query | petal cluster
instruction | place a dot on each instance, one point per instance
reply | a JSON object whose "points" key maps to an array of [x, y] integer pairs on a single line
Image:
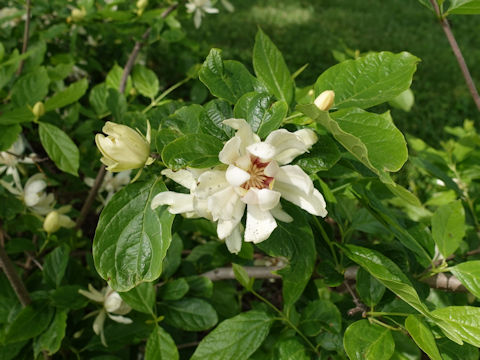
{"points": [[254, 177], [199, 8]]}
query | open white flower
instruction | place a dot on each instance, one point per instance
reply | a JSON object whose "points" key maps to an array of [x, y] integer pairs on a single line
{"points": [[199, 8], [256, 178], [12, 158], [112, 304], [111, 184]]}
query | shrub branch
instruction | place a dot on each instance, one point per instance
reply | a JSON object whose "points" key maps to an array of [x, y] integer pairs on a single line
{"points": [[25, 36]]}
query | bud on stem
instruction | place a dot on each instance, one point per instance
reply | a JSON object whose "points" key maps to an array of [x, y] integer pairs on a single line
{"points": [[324, 101]]}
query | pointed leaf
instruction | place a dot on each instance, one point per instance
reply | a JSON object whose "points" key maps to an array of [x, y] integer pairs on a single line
{"points": [[365, 341], [448, 227], [422, 335], [469, 275], [67, 96], [160, 346]]}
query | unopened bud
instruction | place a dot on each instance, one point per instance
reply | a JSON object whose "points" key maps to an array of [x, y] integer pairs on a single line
{"points": [[324, 101], [38, 109], [54, 221], [78, 14], [142, 4], [133, 91]]}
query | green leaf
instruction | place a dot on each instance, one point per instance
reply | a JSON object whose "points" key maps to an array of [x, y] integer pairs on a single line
{"points": [[261, 112], [199, 286], [174, 290], [464, 320], [270, 67], [404, 101], [293, 241], [98, 98], [117, 104], [453, 351], [448, 227], [31, 88], [173, 259], [131, 239], [114, 78], [19, 115], [372, 138], [291, 349], [145, 81], [369, 80], [31, 321], [321, 157], [60, 148], [55, 265], [227, 80], [67, 96], [469, 275], [370, 289], [465, 7], [318, 316], [51, 340], [190, 314], [141, 297], [236, 338], [8, 135], [365, 341], [186, 119], [211, 119], [422, 335], [388, 273], [160, 346], [195, 150], [242, 276]]}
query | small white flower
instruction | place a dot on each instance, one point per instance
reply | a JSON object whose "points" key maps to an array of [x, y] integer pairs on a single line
{"points": [[199, 8], [12, 158], [112, 304], [111, 184], [256, 177], [35, 197]]}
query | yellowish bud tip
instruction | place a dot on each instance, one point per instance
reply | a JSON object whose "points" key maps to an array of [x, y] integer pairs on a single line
{"points": [[78, 14], [324, 101], [142, 4], [38, 109], [51, 223], [133, 91]]}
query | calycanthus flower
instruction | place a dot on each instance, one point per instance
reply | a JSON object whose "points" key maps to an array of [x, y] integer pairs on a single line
{"points": [[255, 177], [199, 8]]}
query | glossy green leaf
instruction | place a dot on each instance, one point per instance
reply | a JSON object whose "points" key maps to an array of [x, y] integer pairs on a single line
{"points": [[172, 260], [448, 227], [422, 335], [372, 138], [160, 346], [370, 289], [114, 78], [465, 7], [370, 80], [55, 265], [452, 351], [60, 148], [195, 150], [145, 81], [31, 88], [405, 347], [365, 341], [116, 104], [190, 314], [98, 98], [291, 349], [404, 101], [199, 286], [174, 290], [464, 320], [261, 112], [51, 340], [8, 135], [227, 80], [127, 253], [469, 275], [17, 116], [293, 241], [236, 338], [241, 276], [319, 316], [141, 297], [323, 155], [388, 273], [67, 96], [270, 67], [31, 321], [186, 119], [211, 119]]}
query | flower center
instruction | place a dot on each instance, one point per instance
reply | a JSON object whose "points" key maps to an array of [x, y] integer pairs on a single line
{"points": [[258, 179]]}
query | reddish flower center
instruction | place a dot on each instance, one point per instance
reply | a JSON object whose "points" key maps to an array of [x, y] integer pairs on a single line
{"points": [[258, 179]]}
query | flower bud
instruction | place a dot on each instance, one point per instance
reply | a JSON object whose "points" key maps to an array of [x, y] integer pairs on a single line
{"points": [[324, 101], [123, 148], [55, 220], [38, 109], [142, 4], [78, 14], [115, 304]]}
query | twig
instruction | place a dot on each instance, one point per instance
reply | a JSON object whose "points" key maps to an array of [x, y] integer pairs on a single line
{"points": [[359, 306], [257, 272], [12, 276], [187, 345], [123, 82], [458, 54], [25, 36]]}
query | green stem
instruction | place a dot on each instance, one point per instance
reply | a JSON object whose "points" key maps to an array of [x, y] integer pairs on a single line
{"points": [[327, 240], [381, 313], [165, 93], [384, 325], [287, 320]]}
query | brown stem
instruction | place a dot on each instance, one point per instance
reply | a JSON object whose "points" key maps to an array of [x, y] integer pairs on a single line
{"points": [[458, 54], [12, 276], [25, 36], [91, 196]]}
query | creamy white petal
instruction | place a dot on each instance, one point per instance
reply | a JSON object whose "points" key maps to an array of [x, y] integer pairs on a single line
{"points": [[225, 228], [294, 176], [307, 136], [120, 319], [281, 215], [222, 203], [244, 132], [98, 322], [260, 224], [179, 203], [271, 169], [182, 177], [236, 176], [230, 151], [92, 296], [234, 240], [266, 199], [210, 10], [211, 182], [312, 202], [262, 150], [287, 145]]}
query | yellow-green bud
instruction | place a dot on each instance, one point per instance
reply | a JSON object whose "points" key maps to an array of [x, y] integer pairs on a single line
{"points": [[133, 91], [142, 4], [55, 220], [78, 14], [324, 101], [38, 109], [123, 148]]}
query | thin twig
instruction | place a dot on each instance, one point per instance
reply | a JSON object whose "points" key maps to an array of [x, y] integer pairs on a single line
{"points": [[458, 54], [123, 82], [187, 345], [257, 272], [25, 36], [12, 276]]}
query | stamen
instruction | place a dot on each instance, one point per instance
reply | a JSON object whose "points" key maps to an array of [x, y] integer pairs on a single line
{"points": [[257, 177]]}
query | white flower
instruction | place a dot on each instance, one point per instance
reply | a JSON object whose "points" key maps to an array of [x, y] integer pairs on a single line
{"points": [[256, 177], [111, 184], [10, 160], [35, 197], [112, 304], [123, 148], [199, 8]]}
